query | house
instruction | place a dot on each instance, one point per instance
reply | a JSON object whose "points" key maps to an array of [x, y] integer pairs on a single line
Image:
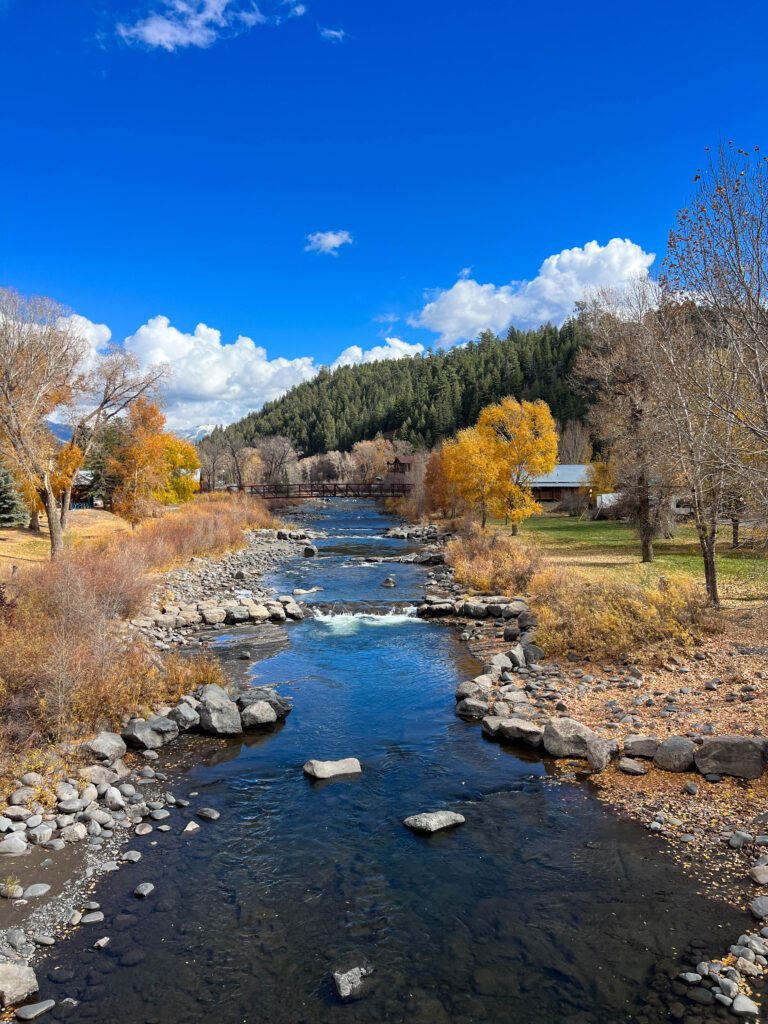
{"points": [[400, 465], [564, 480]]}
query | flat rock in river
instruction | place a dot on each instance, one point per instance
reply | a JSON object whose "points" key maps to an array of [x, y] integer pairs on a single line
{"points": [[17, 983], [332, 769], [433, 821]]}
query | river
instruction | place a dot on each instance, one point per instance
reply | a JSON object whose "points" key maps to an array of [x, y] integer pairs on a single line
{"points": [[541, 908]]}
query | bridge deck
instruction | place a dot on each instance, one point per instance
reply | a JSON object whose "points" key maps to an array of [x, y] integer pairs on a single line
{"points": [[364, 489]]}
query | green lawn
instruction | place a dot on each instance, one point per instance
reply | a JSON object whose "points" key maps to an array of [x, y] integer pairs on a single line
{"points": [[606, 546]]}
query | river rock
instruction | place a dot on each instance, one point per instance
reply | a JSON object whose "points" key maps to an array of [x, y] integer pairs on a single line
{"points": [[474, 610], [185, 716], [636, 745], [259, 712], [219, 716], [143, 890], [13, 845], [35, 891], [282, 706], [34, 1010], [166, 727], [598, 753], [332, 769], [500, 663], [469, 688], [17, 983], [533, 653], [759, 874], [471, 707], [759, 907], [139, 733], [675, 754], [74, 833], [213, 616], [565, 737], [433, 821], [741, 756], [521, 729], [106, 746], [744, 1007], [349, 976], [631, 767], [491, 725], [309, 551], [42, 833]]}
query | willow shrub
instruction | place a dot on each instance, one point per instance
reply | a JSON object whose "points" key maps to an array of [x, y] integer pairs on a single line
{"points": [[595, 618], [68, 662]]}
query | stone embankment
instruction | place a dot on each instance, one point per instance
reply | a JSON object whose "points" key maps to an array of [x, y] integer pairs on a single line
{"points": [[210, 594]]}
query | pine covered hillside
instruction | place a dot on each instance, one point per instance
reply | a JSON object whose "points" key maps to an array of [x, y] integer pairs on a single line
{"points": [[424, 399]]}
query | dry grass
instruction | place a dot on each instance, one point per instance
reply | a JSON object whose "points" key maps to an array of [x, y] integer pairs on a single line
{"points": [[599, 617], [68, 664], [20, 547]]}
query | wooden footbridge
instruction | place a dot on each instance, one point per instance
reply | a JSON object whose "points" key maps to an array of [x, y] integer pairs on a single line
{"points": [[322, 489]]}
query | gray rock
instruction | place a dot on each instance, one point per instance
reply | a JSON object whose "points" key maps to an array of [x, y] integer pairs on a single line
{"points": [[744, 1007], [114, 799], [40, 834], [565, 737], [260, 712], [433, 821], [491, 725], [139, 733], [35, 891], [17, 983], [143, 890], [741, 756], [13, 845], [631, 767], [94, 917], [332, 769], [165, 726], [185, 716], [675, 754], [219, 716], [309, 551], [469, 688], [474, 610], [74, 833], [208, 814], [22, 796], [34, 1010], [640, 746], [350, 976], [282, 705], [517, 729], [106, 746], [598, 754], [471, 707], [759, 907]]}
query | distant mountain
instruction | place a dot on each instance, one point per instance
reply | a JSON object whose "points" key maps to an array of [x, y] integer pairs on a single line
{"points": [[61, 431], [423, 399], [195, 434]]}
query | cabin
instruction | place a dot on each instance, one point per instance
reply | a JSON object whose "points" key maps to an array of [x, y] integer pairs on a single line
{"points": [[399, 466], [564, 480]]}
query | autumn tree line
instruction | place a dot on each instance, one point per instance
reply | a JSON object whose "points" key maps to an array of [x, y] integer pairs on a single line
{"points": [[109, 408]]}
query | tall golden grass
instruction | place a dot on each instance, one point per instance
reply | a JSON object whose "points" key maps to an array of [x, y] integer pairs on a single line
{"points": [[68, 661], [598, 619]]}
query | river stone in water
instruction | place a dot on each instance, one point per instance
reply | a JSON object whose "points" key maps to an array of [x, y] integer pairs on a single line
{"points": [[521, 729], [219, 715], [471, 707], [675, 754], [17, 983], [260, 712], [34, 1010], [741, 756], [433, 821], [744, 1007], [332, 769]]}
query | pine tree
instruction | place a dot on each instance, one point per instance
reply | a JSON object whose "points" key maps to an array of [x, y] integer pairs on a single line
{"points": [[13, 511]]}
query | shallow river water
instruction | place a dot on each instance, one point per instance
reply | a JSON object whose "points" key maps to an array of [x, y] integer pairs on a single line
{"points": [[541, 908]]}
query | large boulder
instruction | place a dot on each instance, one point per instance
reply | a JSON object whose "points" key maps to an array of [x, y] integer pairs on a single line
{"points": [[332, 769], [675, 754], [107, 746], [17, 983], [565, 737], [640, 746], [219, 716], [13, 845], [282, 706], [598, 753], [139, 733], [520, 729], [259, 712], [533, 653], [469, 688], [167, 727], [213, 616], [474, 610], [237, 614], [471, 707], [741, 756], [185, 716]]}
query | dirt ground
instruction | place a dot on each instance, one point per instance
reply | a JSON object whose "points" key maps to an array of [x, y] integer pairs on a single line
{"points": [[20, 547]]}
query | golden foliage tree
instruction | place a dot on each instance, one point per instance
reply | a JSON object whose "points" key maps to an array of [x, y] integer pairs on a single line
{"points": [[469, 467], [139, 464], [522, 443], [182, 463]]}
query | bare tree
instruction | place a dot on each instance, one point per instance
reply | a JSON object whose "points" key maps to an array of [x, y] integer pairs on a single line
{"points": [[279, 456], [41, 353], [236, 449], [212, 451], [575, 445]]}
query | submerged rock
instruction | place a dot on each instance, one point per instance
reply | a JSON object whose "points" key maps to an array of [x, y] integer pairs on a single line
{"points": [[17, 983], [349, 976]]}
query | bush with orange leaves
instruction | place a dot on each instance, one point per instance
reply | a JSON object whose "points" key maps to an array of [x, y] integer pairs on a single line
{"points": [[68, 662], [580, 614]]}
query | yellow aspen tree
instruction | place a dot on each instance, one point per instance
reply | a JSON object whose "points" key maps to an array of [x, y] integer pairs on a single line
{"points": [[470, 466], [522, 441]]}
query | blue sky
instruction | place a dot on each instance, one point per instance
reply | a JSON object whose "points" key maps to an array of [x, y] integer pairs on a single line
{"points": [[165, 164]]}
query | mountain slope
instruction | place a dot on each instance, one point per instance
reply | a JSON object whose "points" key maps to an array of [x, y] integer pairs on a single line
{"points": [[424, 399]]}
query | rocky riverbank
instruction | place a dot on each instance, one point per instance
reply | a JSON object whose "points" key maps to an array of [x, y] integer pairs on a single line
{"points": [[676, 744], [55, 841]]}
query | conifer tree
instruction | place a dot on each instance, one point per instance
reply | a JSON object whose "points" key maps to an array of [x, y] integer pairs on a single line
{"points": [[13, 511]]}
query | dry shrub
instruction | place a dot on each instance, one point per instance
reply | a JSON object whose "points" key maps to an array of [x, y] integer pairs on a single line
{"points": [[68, 664], [594, 618], [493, 563]]}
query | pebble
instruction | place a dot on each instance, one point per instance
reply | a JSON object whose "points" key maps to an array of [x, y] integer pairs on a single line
{"points": [[102, 943]]}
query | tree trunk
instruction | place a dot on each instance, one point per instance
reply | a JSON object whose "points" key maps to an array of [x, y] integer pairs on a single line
{"points": [[66, 501], [513, 529], [54, 522], [485, 517], [644, 522], [706, 527], [34, 522], [735, 523]]}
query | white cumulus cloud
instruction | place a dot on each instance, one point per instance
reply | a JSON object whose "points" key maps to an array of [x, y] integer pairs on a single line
{"points": [[332, 35], [327, 241], [393, 348], [176, 24], [212, 381], [468, 307]]}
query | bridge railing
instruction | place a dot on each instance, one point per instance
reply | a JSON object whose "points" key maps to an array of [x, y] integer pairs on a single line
{"points": [[322, 489]]}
